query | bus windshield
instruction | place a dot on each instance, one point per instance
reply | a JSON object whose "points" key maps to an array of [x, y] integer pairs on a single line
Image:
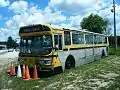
{"points": [[36, 45]]}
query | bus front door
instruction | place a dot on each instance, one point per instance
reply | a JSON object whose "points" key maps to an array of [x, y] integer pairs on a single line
{"points": [[58, 41]]}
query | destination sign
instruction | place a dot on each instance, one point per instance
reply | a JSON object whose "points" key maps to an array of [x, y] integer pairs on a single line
{"points": [[34, 28]]}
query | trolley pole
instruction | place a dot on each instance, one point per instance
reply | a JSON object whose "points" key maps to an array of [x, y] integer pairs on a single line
{"points": [[114, 25]]}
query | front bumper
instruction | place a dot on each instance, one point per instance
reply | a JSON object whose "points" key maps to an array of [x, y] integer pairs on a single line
{"points": [[45, 73]]}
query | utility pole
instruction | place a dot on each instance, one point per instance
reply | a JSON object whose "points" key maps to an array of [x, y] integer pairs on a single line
{"points": [[114, 25]]}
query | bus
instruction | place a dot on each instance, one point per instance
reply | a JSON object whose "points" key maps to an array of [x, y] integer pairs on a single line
{"points": [[53, 50]]}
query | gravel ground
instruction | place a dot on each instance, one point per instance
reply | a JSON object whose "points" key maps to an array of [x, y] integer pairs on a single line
{"points": [[8, 58]]}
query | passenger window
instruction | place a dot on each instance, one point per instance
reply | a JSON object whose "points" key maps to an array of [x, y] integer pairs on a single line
{"points": [[95, 39], [98, 39], [67, 38], [77, 38], [104, 40], [89, 38]]}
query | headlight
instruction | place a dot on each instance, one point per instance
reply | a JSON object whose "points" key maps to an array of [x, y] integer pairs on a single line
{"points": [[45, 62]]}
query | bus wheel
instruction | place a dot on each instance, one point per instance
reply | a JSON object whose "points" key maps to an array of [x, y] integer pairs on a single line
{"points": [[103, 53], [70, 62]]}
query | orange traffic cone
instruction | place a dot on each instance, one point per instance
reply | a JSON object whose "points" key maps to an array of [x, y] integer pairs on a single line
{"points": [[27, 74], [12, 70], [35, 75], [23, 73]]}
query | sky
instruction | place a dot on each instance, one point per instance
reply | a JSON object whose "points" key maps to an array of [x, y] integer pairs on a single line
{"points": [[59, 13]]}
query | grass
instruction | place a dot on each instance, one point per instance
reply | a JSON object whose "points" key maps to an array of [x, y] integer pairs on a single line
{"points": [[103, 74], [112, 51]]}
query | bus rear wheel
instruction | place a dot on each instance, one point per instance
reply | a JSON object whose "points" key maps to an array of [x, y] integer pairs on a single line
{"points": [[70, 62]]}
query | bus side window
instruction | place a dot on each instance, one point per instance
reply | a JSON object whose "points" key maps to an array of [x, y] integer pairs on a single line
{"points": [[86, 39], [95, 39], [100, 39], [89, 38], [81, 38], [67, 38], [77, 38], [104, 40]]}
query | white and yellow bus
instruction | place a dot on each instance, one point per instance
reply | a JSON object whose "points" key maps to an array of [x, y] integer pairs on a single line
{"points": [[54, 50]]}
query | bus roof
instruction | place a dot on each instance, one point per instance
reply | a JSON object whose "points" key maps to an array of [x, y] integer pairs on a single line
{"points": [[79, 30], [34, 28], [48, 27]]}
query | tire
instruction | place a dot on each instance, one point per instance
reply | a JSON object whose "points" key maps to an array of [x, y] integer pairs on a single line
{"points": [[70, 62], [103, 53]]}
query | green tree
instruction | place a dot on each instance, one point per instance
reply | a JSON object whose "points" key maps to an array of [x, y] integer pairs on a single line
{"points": [[95, 23], [11, 43]]}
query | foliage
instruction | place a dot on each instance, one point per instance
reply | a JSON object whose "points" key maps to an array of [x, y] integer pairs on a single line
{"points": [[113, 51], [11, 43], [112, 41], [95, 23]]}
